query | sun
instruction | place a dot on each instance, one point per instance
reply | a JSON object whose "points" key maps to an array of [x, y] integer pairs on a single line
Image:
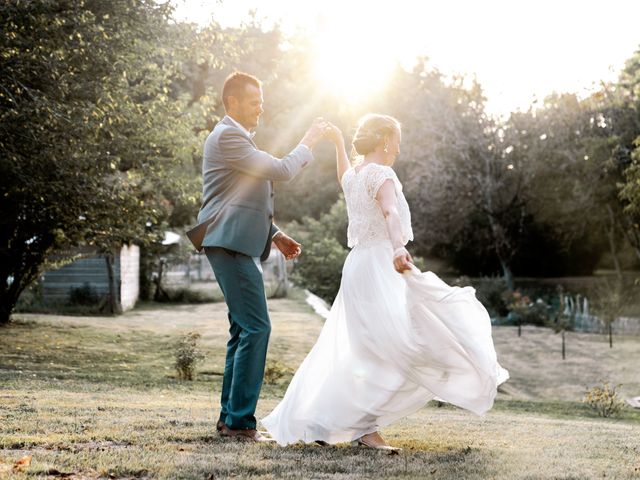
{"points": [[351, 64]]}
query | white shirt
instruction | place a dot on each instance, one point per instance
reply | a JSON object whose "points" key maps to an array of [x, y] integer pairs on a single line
{"points": [[241, 127]]}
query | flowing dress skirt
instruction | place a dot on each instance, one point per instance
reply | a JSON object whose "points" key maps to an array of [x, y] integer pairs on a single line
{"points": [[390, 344]]}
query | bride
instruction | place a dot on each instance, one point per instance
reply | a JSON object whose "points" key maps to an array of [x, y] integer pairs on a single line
{"points": [[395, 338]]}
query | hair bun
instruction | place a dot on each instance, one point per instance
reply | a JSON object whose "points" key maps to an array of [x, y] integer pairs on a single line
{"points": [[365, 142], [372, 128]]}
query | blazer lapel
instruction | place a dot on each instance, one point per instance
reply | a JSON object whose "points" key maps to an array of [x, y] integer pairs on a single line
{"points": [[226, 120]]}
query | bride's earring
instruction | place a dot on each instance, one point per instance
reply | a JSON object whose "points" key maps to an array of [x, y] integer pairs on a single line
{"points": [[386, 148]]}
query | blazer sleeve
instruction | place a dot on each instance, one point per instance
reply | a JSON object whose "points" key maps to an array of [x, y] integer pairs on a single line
{"points": [[240, 154]]}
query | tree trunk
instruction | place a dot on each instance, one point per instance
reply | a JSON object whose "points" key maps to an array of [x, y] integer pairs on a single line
{"points": [[12, 289], [112, 297], [508, 275], [612, 241], [563, 346], [160, 293], [5, 311], [611, 334]]}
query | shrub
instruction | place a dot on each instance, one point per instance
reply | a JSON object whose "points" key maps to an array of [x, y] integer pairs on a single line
{"points": [[276, 371], [84, 295], [538, 313], [490, 291], [604, 399], [187, 356], [526, 311], [186, 295], [319, 268]]}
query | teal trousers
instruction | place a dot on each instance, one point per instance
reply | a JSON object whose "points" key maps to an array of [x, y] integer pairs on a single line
{"points": [[249, 328]]}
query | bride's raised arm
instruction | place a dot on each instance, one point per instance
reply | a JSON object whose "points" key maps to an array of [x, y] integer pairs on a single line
{"points": [[334, 134]]}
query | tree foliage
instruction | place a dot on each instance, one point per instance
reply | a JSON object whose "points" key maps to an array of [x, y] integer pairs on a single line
{"points": [[104, 108], [93, 145]]}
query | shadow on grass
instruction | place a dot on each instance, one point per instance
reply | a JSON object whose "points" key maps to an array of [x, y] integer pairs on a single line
{"points": [[236, 459]]}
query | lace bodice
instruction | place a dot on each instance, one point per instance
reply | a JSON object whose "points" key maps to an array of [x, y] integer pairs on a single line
{"points": [[366, 222]]}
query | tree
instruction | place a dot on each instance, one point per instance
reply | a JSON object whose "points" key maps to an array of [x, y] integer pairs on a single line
{"points": [[91, 141], [455, 174], [563, 183], [610, 299], [627, 149]]}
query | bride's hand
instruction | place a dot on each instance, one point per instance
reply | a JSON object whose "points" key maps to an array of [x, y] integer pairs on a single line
{"points": [[333, 133], [402, 260]]}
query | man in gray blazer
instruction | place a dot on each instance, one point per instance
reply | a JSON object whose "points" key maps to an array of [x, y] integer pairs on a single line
{"points": [[236, 230]]}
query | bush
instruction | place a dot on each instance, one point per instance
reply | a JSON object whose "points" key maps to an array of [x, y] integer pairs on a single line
{"points": [[187, 356], [276, 371], [604, 399], [84, 295], [188, 295], [538, 313], [489, 291], [525, 311], [319, 268]]}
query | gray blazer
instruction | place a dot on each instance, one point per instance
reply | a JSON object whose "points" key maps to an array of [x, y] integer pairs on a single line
{"points": [[237, 200]]}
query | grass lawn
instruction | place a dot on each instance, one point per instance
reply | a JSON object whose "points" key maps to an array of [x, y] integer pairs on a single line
{"points": [[96, 397]]}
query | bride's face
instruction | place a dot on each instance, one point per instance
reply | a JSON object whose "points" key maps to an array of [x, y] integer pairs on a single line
{"points": [[393, 148]]}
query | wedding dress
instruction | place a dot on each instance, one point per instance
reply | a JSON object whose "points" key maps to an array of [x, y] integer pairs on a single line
{"points": [[392, 342]]}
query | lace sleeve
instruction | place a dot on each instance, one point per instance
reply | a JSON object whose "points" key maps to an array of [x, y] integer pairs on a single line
{"points": [[377, 176]]}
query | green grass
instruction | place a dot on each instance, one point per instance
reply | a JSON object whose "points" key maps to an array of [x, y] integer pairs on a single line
{"points": [[97, 397]]}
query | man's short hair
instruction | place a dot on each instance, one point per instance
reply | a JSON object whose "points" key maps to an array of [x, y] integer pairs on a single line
{"points": [[235, 86]]}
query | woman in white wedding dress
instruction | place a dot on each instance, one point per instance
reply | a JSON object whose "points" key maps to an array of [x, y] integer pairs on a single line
{"points": [[395, 338]]}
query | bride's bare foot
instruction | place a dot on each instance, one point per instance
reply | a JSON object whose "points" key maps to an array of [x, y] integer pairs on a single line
{"points": [[375, 440]]}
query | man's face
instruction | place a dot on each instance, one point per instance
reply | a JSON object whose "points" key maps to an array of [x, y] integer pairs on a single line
{"points": [[249, 107]]}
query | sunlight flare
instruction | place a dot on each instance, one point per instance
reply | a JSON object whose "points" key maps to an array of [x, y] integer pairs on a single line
{"points": [[350, 63]]}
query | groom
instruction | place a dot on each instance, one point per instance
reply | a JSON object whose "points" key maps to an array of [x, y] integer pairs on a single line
{"points": [[236, 231]]}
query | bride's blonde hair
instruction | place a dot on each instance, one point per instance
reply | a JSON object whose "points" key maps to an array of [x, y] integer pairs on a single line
{"points": [[371, 130]]}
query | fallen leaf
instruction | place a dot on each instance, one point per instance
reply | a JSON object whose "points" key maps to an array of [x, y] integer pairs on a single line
{"points": [[23, 463]]}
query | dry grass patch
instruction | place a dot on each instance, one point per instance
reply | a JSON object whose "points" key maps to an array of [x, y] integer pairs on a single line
{"points": [[97, 398]]}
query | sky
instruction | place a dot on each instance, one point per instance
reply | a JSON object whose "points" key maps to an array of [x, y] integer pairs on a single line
{"points": [[518, 50]]}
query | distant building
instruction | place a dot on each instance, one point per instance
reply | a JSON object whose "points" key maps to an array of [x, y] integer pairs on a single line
{"points": [[87, 279]]}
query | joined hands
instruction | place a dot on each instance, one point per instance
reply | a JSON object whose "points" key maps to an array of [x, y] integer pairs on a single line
{"points": [[319, 129]]}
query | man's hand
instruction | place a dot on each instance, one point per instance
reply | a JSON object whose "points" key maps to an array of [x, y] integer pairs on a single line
{"points": [[402, 260], [316, 131], [287, 245]]}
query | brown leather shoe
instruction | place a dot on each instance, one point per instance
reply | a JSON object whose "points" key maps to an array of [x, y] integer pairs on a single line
{"points": [[250, 435], [219, 425]]}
